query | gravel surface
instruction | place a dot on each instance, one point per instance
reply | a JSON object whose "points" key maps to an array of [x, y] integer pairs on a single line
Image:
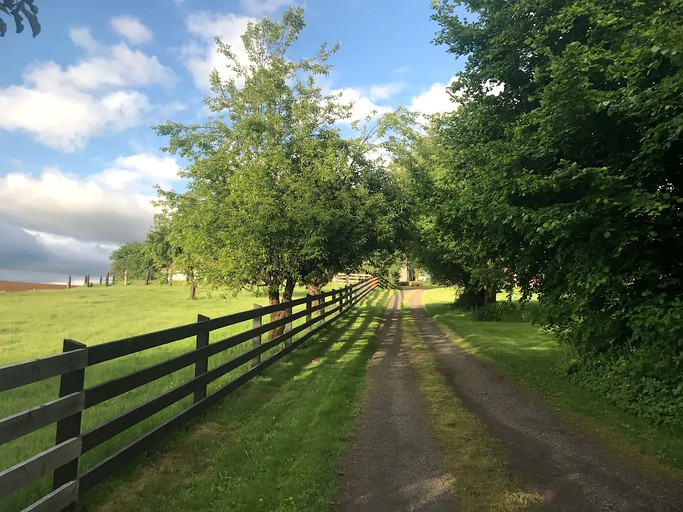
{"points": [[394, 463], [570, 469]]}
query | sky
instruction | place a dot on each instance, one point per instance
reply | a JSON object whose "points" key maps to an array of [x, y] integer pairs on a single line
{"points": [[79, 159]]}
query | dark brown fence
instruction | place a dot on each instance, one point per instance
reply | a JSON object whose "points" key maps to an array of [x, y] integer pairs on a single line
{"points": [[62, 460]]}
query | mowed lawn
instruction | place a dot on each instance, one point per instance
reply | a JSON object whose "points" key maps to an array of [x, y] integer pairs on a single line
{"points": [[33, 324], [535, 359]]}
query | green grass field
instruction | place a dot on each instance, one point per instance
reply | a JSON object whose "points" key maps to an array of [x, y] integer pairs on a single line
{"points": [[273, 445], [33, 324], [534, 358]]}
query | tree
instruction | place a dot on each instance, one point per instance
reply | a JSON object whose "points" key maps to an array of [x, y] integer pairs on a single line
{"points": [[158, 249], [572, 174], [20, 11], [275, 194], [131, 258]]}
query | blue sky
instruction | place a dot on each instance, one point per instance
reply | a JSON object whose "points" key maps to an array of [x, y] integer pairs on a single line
{"points": [[78, 157]]}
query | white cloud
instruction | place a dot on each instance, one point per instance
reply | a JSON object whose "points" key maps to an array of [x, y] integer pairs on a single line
{"points": [[262, 7], [137, 171], [67, 119], [111, 206], [363, 106], [200, 56], [64, 107], [56, 224], [434, 100], [82, 37], [112, 66], [385, 91], [132, 29]]}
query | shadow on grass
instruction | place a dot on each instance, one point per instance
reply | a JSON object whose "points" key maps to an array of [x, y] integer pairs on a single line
{"points": [[277, 436]]}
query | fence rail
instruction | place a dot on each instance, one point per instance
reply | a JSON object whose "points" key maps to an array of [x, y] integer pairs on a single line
{"points": [[71, 441]]}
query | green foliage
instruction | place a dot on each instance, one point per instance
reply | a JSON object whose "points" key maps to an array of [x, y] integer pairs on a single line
{"points": [[158, 248], [132, 258], [20, 11], [487, 313], [571, 175], [635, 382], [275, 193]]}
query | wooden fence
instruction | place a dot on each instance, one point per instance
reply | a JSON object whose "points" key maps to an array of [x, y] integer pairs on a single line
{"points": [[62, 460], [350, 278]]}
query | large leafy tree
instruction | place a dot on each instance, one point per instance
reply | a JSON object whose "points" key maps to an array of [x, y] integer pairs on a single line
{"points": [[572, 174], [275, 193]]}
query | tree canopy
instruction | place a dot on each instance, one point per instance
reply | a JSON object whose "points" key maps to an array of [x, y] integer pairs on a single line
{"points": [[132, 258], [275, 193], [563, 165]]}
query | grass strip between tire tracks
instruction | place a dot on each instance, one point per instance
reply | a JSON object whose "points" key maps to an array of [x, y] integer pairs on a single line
{"points": [[481, 481]]}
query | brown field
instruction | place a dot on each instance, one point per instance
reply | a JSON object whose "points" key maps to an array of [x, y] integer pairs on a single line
{"points": [[12, 286]]}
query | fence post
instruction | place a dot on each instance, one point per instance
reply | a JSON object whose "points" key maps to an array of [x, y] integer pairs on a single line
{"points": [[125, 278], [68, 284], [70, 426], [256, 340], [309, 304], [202, 365], [288, 326], [322, 309]]}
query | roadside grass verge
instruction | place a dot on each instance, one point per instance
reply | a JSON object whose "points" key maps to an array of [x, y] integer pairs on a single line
{"points": [[274, 444], [535, 359], [34, 323], [472, 456]]}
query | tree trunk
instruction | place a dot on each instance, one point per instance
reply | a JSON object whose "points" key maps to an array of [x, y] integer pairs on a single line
{"points": [[193, 289], [274, 298], [314, 286], [287, 294], [289, 289], [489, 295]]}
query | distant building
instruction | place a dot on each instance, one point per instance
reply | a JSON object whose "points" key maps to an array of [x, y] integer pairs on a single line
{"points": [[407, 273]]}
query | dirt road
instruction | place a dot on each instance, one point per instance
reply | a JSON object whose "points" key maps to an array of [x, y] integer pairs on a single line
{"points": [[394, 464], [568, 468]]}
